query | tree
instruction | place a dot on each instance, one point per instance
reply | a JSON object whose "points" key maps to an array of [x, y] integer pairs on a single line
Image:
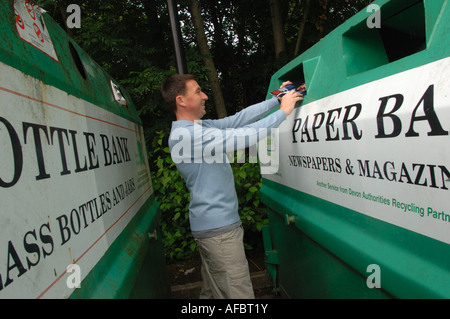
{"points": [[277, 25], [207, 58], [302, 27]]}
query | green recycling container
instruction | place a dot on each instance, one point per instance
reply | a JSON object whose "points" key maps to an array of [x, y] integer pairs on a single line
{"points": [[78, 216], [358, 178]]}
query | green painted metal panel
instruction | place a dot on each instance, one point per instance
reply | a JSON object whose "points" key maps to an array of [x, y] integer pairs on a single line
{"points": [[326, 255], [132, 267], [64, 73], [333, 69]]}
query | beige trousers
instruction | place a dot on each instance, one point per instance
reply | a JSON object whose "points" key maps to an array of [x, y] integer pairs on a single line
{"points": [[225, 271]]}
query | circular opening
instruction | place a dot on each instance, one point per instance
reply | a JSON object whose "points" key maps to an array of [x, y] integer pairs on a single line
{"points": [[77, 60]]}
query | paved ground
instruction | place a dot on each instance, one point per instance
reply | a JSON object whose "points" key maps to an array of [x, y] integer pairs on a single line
{"points": [[186, 281], [260, 280]]}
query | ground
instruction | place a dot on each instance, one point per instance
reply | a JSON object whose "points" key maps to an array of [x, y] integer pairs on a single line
{"points": [[188, 270], [185, 276]]}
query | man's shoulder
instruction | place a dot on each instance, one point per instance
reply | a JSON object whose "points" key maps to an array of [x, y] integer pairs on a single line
{"points": [[181, 130], [182, 124]]}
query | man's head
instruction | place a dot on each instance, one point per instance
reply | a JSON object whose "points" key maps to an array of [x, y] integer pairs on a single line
{"points": [[184, 96]]}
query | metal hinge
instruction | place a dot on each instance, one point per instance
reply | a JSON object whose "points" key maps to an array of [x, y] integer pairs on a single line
{"points": [[271, 256]]}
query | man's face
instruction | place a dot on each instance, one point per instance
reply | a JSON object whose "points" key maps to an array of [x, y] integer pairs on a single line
{"points": [[195, 99]]}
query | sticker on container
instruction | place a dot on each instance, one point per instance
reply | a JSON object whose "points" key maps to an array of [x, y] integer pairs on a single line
{"points": [[31, 27]]}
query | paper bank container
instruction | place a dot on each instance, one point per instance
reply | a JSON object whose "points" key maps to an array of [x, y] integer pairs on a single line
{"points": [[358, 179]]}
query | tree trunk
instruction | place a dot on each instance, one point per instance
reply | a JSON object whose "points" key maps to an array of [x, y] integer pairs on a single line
{"points": [[302, 28], [277, 26], [63, 12], [207, 59]]}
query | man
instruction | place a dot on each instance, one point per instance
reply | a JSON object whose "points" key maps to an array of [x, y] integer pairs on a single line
{"points": [[198, 149]]}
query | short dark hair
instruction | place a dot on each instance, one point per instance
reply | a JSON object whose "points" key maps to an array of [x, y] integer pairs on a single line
{"points": [[174, 85]]}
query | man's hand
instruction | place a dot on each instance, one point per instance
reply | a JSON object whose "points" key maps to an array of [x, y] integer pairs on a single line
{"points": [[285, 84], [288, 101]]}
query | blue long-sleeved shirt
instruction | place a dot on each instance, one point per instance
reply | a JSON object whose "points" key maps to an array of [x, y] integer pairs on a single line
{"points": [[199, 152]]}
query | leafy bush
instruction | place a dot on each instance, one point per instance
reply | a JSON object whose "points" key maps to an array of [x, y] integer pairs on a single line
{"points": [[173, 197]]}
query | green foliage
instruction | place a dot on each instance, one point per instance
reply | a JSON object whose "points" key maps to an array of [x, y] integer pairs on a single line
{"points": [[173, 197], [253, 213], [247, 179]]}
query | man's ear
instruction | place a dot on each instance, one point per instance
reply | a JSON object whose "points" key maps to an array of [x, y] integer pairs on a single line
{"points": [[180, 101]]}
